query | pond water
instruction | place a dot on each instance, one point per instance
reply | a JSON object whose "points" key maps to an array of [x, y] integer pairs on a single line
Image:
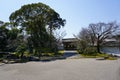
{"points": [[111, 50]]}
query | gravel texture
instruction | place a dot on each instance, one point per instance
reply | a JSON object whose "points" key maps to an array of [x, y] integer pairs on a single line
{"points": [[69, 69]]}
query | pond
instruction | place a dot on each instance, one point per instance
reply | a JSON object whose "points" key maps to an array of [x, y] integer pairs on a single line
{"points": [[111, 50]]}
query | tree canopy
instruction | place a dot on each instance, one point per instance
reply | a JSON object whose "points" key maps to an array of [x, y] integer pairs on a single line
{"points": [[96, 34], [37, 22], [37, 11]]}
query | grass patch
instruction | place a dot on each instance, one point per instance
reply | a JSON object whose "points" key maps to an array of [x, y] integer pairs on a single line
{"points": [[48, 54], [96, 55], [88, 56], [100, 55], [60, 52], [111, 58]]}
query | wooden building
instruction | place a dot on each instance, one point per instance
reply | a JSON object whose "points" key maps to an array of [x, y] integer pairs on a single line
{"points": [[69, 43]]}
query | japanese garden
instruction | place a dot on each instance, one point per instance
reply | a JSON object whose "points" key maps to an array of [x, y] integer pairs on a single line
{"points": [[32, 47]]}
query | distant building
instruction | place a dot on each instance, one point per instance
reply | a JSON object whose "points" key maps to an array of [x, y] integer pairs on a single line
{"points": [[111, 42], [69, 43]]}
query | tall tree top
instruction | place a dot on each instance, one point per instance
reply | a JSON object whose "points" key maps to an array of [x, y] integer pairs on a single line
{"points": [[36, 11]]}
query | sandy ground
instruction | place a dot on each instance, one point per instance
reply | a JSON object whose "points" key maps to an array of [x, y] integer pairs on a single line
{"points": [[69, 69]]}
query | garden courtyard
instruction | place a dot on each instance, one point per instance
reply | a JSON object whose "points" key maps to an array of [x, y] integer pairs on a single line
{"points": [[33, 40], [65, 69]]}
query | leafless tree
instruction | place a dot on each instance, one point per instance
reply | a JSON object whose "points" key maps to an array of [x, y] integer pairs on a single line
{"points": [[95, 34], [59, 35], [83, 39], [102, 31], [86, 35]]}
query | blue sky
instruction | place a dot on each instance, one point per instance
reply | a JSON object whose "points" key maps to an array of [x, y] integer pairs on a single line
{"points": [[78, 13]]}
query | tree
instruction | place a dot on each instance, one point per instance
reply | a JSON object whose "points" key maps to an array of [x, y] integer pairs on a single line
{"points": [[9, 37], [55, 22], [85, 36], [117, 37], [59, 36], [85, 41], [33, 19], [102, 31], [21, 49], [95, 34], [13, 39], [3, 37], [1, 23]]}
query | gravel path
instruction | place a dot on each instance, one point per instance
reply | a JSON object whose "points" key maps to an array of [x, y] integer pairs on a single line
{"points": [[69, 69]]}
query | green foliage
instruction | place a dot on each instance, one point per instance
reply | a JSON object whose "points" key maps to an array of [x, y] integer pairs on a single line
{"points": [[84, 48], [48, 54], [21, 49], [33, 19], [103, 56], [90, 51], [95, 55], [30, 31], [45, 50], [13, 39], [81, 46], [60, 52], [3, 38], [9, 37]]}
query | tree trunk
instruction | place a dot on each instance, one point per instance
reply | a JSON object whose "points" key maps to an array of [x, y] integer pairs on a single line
{"points": [[98, 47], [21, 56]]}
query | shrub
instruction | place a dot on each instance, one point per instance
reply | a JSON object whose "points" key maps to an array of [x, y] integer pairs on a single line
{"points": [[90, 51], [61, 52], [81, 46], [45, 50], [21, 49], [48, 54]]}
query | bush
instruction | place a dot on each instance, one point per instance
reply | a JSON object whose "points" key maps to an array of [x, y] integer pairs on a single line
{"points": [[45, 50], [81, 46], [48, 54], [90, 51], [60, 53], [21, 49]]}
